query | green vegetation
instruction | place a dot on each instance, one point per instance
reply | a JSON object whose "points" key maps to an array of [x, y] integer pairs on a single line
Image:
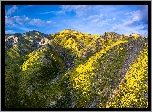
{"points": [[77, 70]]}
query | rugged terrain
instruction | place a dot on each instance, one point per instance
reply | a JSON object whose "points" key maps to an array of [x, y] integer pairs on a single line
{"points": [[71, 69]]}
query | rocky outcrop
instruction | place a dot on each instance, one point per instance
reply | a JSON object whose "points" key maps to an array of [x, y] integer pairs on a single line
{"points": [[11, 40]]}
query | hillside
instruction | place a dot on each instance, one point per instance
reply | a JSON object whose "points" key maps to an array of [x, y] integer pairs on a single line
{"points": [[71, 69]]}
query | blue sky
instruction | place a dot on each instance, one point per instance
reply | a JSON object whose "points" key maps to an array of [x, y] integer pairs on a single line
{"points": [[93, 19]]}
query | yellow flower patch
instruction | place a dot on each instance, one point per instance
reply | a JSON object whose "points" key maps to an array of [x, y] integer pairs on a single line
{"points": [[134, 85]]}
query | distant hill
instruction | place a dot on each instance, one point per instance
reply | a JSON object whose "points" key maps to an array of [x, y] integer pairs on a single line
{"points": [[72, 69]]}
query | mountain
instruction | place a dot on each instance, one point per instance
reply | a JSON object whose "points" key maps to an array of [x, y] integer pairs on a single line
{"points": [[71, 69]]}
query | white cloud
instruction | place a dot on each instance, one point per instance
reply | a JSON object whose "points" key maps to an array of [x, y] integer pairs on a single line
{"points": [[11, 10], [78, 9], [27, 18], [48, 21], [103, 22], [130, 23], [136, 21], [117, 27], [36, 22], [8, 20], [86, 26], [114, 18], [23, 21], [58, 12], [143, 13], [54, 12], [95, 20], [135, 17], [130, 13], [123, 28], [19, 20], [94, 17]]}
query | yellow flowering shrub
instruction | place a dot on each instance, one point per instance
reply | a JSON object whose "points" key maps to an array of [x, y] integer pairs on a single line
{"points": [[30, 61], [78, 70], [135, 36], [32, 58], [82, 75], [13, 52], [134, 85]]}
